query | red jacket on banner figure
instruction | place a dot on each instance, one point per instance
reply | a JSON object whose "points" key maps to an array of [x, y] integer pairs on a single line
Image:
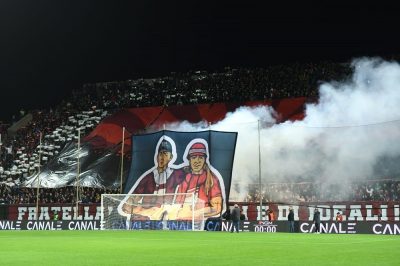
{"points": [[158, 180], [200, 179], [161, 179]]}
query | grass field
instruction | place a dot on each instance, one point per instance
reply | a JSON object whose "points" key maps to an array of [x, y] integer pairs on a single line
{"points": [[194, 248]]}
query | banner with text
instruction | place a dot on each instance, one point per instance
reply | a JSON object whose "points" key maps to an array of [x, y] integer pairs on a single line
{"points": [[378, 228]]}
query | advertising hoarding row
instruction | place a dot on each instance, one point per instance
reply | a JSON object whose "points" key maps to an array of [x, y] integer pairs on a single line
{"points": [[378, 228]]}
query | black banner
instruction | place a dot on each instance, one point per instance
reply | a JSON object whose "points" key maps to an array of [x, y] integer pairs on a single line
{"points": [[184, 162], [248, 226], [49, 225], [378, 228]]}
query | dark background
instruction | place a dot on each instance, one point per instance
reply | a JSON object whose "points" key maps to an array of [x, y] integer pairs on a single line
{"points": [[48, 48]]}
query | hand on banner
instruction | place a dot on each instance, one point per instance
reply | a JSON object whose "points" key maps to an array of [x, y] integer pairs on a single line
{"points": [[128, 209], [153, 213], [186, 213], [131, 205]]}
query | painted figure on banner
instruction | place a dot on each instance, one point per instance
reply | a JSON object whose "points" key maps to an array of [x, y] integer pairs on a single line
{"points": [[161, 179], [201, 179]]}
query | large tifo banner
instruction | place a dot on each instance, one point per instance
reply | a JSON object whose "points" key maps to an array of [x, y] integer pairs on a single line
{"points": [[184, 162]]}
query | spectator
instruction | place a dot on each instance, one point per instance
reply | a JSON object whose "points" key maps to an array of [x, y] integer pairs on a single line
{"points": [[316, 220], [235, 217], [271, 215], [291, 219]]}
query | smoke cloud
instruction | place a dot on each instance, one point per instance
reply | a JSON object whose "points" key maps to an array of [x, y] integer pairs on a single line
{"points": [[352, 133]]}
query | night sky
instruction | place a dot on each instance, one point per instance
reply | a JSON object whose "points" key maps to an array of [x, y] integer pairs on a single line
{"points": [[48, 48]]}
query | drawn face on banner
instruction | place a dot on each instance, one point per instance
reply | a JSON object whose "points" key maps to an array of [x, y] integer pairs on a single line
{"points": [[197, 153], [163, 158], [164, 155], [197, 163]]}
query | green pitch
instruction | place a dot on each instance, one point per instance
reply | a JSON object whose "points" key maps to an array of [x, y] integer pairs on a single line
{"points": [[194, 248]]}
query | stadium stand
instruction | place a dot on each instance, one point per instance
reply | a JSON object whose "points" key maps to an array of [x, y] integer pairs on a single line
{"points": [[371, 190], [15, 195], [89, 105]]}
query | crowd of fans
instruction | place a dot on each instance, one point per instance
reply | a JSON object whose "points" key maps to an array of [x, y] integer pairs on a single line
{"points": [[372, 190], [21, 154], [43, 137], [19, 151], [23, 195], [230, 85]]}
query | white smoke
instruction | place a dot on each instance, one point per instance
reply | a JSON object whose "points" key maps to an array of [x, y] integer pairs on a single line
{"points": [[354, 124]]}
